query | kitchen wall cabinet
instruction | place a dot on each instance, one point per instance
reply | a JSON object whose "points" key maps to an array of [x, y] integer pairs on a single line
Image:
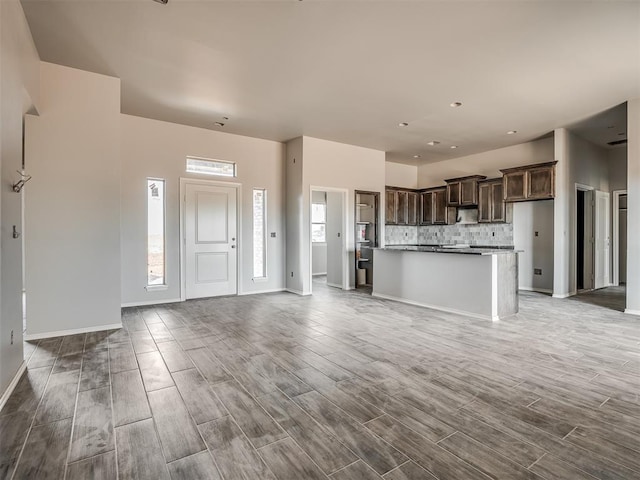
{"points": [[401, 207], [433, 206], [390, 207], [491, 204], [463, 191], [530, 182]]}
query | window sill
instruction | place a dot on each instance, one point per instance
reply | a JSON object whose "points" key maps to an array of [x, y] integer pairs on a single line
{"points": [[260, 279], [156, 288]]}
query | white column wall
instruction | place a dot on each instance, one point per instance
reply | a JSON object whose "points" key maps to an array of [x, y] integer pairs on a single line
{"points": [[72, 208], [633, 207], [561, 215], [19, 92]]}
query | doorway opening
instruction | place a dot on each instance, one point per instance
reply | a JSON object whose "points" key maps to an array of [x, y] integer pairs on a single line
{"points": [[328, 245], [619, 243], [366, 237], [584, 239]]}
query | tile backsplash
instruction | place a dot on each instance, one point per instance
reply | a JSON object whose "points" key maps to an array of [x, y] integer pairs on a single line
{"points": [[489, 234], [400, 235]]}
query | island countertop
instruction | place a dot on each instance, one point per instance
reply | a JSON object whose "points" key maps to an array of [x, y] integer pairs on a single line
{"points": [[441, 249], [472, 281]]}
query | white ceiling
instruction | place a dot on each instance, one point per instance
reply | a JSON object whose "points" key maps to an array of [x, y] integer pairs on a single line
{"points": [[350, 71]]}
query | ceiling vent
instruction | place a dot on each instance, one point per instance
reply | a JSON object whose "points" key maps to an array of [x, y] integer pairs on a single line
{"points": [[615, 143]]}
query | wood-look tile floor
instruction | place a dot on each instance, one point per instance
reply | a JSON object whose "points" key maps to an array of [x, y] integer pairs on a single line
{"points": [[338, 385]]}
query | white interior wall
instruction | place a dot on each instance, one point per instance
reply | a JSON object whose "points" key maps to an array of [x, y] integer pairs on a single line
{"points": [[486, 163], [400, 175], [319, 249], [617, 162], [19, 92], [72, 207], [633, 206], [337, 165], [152, 148], [533, 234]]}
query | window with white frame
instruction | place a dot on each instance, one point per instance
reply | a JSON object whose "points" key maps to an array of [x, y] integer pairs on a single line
{"points": [[155, 232], [259, 233], [220, 168], [318, 222]]}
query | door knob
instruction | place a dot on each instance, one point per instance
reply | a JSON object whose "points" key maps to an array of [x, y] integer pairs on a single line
{"points": [[233, 246]]}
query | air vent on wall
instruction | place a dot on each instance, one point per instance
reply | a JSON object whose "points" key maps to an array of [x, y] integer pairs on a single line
{"points": [[615, 143]]}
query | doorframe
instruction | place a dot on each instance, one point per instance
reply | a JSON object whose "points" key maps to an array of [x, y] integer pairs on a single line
{"points": [[345, 259], [615, 236], [584, 188], [212, 183]]}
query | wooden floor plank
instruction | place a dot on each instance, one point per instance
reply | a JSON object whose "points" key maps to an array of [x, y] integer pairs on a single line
{"points": [[235, 456], [177, 430], [93, 425], [139, 452], [45, 452]]}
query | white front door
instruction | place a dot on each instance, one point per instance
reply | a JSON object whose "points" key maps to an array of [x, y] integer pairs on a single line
{"points": [[210, 241], [602, 240]]}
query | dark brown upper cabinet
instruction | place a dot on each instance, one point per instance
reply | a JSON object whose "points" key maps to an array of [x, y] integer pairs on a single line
{"points": [[491, 206], [463, 191], [433, 206], [390, 207], [412, 208], [401, 207], [530, 182]]}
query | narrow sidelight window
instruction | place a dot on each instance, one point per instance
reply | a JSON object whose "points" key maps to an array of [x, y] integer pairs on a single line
{"points": [[259, 233], [155, 232]]}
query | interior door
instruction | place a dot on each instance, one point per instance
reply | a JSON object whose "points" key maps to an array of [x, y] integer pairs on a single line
{"points": [[602, 242], [210, 241], [335, 241]]}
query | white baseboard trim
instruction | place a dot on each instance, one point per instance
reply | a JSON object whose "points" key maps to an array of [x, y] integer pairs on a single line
{"points": [[74, 331], [150, 302], [334, 285], [12, 385], [564, 295], [256, 292], [632, 312], [297, 292], [318, 274], [533, 289], [435, 307]]}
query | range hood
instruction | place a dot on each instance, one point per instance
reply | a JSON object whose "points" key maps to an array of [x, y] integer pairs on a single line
{"points": [[466, 216]]}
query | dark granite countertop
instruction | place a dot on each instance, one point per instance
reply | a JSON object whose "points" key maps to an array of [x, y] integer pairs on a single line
{"points": [[475, 250]]}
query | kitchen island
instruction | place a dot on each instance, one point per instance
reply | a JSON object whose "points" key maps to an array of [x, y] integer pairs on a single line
{"points": [[480, 282]]}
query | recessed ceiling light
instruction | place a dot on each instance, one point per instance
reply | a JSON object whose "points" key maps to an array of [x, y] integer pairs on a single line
{"points": [[218, 124], [433, 143], [454, 146], [511, 132], [416, 156], [455, 104], [403, 124]]}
